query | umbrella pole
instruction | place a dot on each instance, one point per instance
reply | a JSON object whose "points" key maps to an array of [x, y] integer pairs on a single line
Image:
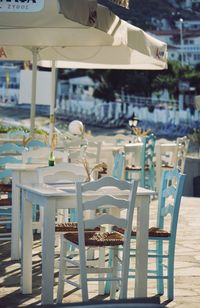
{"points": [[33, 94], [53, 97]]}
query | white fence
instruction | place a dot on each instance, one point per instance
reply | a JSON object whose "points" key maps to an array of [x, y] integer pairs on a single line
{"points": [[116, 114]]}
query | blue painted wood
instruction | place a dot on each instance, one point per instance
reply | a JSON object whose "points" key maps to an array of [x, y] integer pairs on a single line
{"points": [[146, 171], [172, 183], [118, 165], [35, 143], [11, 148]]}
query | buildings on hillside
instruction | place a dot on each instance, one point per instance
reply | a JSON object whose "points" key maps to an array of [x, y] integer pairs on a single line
{"points": [[186, 50]]}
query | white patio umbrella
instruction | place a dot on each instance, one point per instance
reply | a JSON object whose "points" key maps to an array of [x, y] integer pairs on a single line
{"points": [[46, 34]]}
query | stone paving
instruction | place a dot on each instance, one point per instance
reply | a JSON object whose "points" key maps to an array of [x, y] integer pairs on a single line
{"points": [[187, 267]]}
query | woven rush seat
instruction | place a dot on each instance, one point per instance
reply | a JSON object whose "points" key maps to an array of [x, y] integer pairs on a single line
{"points": [[6, 202], [167, 166], [5, 187], [71, 227], [153, 232], [97, 239], [137, 168], [133, 167]]}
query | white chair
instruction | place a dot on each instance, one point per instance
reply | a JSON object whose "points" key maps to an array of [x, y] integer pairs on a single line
{"points": [[84, 240], [91, 150], [63, 173], [41, 155], [178, 159]]}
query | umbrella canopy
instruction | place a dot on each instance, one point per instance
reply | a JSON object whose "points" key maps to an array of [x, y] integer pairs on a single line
{"points": [[108, 42]]}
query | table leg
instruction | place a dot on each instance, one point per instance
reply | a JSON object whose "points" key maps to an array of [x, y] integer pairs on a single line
{"points": [[142, 247], [48, 243], [15, 236], [26, 265]]}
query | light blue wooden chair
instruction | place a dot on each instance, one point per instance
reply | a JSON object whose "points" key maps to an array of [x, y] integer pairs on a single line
{"points": [[118, 168], [163, 236], [146, 168], [11, 149], [35, 143], [17, 134], [6, 197]]}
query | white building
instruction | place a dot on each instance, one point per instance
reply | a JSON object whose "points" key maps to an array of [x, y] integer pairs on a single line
{"points": [[188, 49]]}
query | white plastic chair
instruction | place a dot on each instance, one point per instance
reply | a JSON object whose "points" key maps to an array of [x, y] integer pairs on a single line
{"points": [[91, 238]]}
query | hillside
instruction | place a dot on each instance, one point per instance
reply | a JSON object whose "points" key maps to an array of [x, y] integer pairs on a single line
{"points": [[142, 11]]}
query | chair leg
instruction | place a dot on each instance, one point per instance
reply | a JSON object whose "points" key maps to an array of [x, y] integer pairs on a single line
{"points": [[170, 280], [83, 277], [62, 270], [107, 285], [114, 272], [159, 267], [101, 264]]}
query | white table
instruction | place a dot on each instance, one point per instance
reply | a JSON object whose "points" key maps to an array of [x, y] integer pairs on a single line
{"points": [[161, 149], [51, 198], [21, 174]]}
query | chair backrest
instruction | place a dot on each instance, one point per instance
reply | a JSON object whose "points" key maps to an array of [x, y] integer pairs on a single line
{"points": [[36, 143], [108, 193], [42, 155], [171, 190], [90, 150], [147, 163], [11, 149], [17, 134], [62, 173], [182, 145], [118, 168]]}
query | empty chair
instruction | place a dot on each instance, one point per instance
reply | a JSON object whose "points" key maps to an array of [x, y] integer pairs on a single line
{"points": [[145, 170], [19, 133], [63, 173], [90, 150], [178, 159], [10, 149], [6, 197], [83, 239], [182, 145], [41, 155], [162, 237], [36, 143]]}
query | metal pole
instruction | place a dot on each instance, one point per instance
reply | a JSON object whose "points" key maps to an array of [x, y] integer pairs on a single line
{"points": [[33, 94], [53, 98], [181, 40]]}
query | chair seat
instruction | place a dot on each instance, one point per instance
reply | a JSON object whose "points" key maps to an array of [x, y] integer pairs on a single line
{"points": [[133, 168], [71, 227], [66, 227], [6, 202], [97, 239], [5, 187], [153, 232], [137, 168], [167, 166]]}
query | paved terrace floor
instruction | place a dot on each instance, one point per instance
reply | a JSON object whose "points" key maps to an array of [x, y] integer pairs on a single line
{"points": [[187, 267]]}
